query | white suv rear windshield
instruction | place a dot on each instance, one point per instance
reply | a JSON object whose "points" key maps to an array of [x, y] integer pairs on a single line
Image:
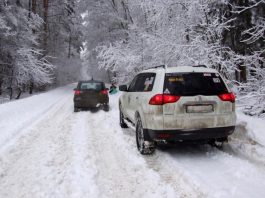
{"points": [[190, 84]]}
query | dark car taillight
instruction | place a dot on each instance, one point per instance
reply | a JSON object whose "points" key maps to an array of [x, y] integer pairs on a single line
{"points": [[105, 92], [77, 92], [161, 99], [227, 97]]}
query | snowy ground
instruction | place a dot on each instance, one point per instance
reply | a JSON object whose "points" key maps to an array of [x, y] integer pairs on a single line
{"points": [[46, 150]]}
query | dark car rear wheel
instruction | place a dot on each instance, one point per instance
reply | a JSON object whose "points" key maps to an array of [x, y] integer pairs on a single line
{"points": [[106, 107], [122, 123], [76, 109], [145, 147]]}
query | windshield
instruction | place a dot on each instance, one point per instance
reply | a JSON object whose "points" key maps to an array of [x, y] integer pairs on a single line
{"points": [[190, 84], [91, 86]]}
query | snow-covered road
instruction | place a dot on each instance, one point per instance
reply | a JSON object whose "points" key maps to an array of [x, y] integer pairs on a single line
{"points": [[46, 150]]}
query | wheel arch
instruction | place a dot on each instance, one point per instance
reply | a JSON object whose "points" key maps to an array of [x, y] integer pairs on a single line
{"points": [[120, 105], [140, 115]]}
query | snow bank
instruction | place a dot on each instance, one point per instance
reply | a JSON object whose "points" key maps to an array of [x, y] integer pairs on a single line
{"points": [[16, 116], [255, 127]]}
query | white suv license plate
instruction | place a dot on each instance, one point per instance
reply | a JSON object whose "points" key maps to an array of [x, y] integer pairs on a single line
{"points": [[199, 108]]}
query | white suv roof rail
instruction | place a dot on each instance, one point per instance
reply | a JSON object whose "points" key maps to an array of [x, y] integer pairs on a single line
{"points": [[200, 66], [158, 66]]}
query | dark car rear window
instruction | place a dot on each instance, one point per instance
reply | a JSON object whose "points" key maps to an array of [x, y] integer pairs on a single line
{"points": [[190, 84], [91, 86]]}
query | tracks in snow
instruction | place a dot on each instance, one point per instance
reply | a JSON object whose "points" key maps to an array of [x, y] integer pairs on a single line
{"points": [[36, 164], [175, 178], [204, 171], [49, 159], [121, 172], [66, 154]]}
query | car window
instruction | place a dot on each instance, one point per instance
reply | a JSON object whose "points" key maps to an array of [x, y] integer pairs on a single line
{"points": [[91, 86], [145, 82], [190, 84], [142, 82], [132, 85]]}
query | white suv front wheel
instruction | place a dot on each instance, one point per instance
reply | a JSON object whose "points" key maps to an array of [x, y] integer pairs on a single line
{"points": [[122, 123], [144, 147]]}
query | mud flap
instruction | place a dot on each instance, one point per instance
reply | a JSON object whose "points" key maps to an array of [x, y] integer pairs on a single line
{"points": [[146, 135]]}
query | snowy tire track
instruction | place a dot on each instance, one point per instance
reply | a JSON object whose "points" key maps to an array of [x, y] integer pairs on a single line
{"points": [[175, 178], [121, 172], [83, 172]]}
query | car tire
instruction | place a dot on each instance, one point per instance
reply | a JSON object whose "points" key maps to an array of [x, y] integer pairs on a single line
{"points": [[106, 108], [122, 123], [145, 147], [75, 109]]}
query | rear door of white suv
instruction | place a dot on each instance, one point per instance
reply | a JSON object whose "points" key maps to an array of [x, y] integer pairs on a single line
{"points": [[204, 101]]}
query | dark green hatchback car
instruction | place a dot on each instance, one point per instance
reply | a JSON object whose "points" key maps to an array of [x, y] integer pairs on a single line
{"points": [[91, 94]]}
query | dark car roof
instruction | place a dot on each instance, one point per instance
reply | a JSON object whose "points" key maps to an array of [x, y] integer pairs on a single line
{"points": [[90, 81]]}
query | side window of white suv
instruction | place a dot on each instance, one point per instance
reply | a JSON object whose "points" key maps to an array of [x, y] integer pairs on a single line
{"points": [[133, 84], [145, 82], [142, 82]]}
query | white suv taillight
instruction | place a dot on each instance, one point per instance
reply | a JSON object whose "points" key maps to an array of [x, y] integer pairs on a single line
{"points": [[160, 99], [227, 97]]}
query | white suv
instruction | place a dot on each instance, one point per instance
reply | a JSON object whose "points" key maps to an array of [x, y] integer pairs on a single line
{"points": [[177, 104]]}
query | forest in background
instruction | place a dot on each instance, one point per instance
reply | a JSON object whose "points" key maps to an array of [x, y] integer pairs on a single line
{"points": [[127, 36], [41, 41]]}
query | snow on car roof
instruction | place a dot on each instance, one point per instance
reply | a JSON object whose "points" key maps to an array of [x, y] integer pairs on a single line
{"points": [[183, 69], [190, 69], [90, 81]]}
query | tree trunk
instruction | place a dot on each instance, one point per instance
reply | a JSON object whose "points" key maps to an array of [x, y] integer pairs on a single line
{"points": [[34, 6], [70, 42], [108, 72], [19, 93], [243, 73], [10, 93], [11, 84], [31, 86], [29, 15], [1, 82], [18, 3], [45, 18]]}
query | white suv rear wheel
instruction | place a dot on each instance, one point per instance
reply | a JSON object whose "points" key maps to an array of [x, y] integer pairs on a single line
{"points": [[145, 147]]}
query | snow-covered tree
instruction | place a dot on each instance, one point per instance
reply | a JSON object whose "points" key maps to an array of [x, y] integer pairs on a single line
{"points": [[105, 22], [22, 62], [36, 39], [252, 56], [225, 35], [169, 32]]}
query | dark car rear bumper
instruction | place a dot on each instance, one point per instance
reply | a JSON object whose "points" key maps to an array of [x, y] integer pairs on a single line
{"points": [[81, 103], [182, 135]]}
